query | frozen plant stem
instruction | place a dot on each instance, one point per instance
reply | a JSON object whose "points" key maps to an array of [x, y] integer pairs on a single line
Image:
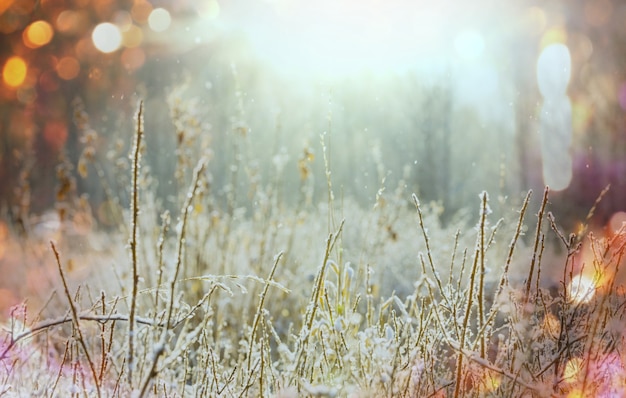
{"points": [[464, 327], [481, 286], [504, 281], [315, 296], [181, 239], [76, 321], [160, 347], [533, 261], [134, 235], [331, 196], [423, 228], [257, 316]]}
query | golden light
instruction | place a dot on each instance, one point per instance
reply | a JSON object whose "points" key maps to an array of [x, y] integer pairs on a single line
{"points": [[551, 325], [576, 394], [572, 369], [14, 71], [132, 37], [492, 381], [106, 37], [68, 68], [37, 34], [581, 289], [159, 20]]}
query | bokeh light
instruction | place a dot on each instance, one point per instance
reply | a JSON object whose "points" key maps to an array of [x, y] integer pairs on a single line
{"points": [[55, 134], [123, 20], [141, 11], [159, 20], [133, 58], [132, 37], [554, 70], [14, 71], [107, 37], [617, 223], [37, 34], [68, 68], [5, 4], [415, 80], [72, 22], [85, 50], [556, 122]]}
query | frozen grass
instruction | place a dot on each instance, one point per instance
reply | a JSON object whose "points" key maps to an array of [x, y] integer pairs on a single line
{"points": [[252, 297]]}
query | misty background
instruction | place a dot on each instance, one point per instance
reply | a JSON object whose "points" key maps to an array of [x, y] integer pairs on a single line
{"points": [[447, 99]]}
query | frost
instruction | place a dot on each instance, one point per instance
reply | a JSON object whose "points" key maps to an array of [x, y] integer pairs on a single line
{"points": [[389, 333], [338, 324]]}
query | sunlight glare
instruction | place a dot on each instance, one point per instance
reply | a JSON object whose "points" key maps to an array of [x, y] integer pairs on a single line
{"points": [[581, 289], [572, 369], [331, 39], [469, 45]]}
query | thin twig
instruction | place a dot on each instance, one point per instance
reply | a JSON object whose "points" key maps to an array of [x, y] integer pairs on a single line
{"points": [[533, 261], [134, 237], [76, 321], [259, 310], [315, 295]]}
